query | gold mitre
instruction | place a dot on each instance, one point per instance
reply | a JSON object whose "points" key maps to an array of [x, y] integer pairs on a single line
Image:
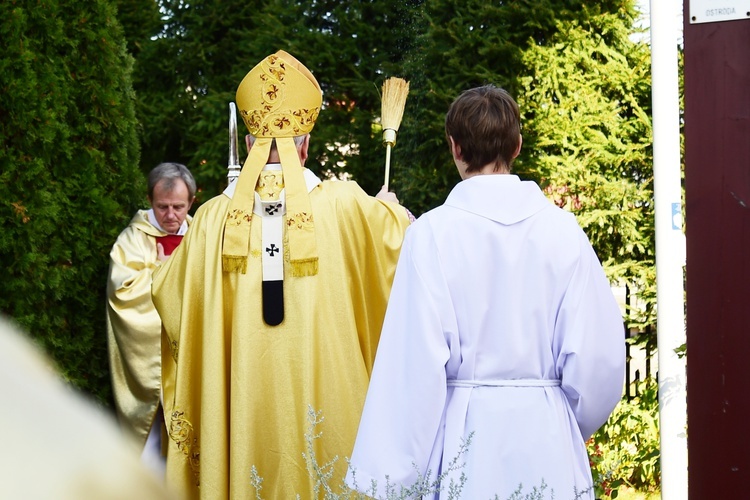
{"points": [[279, 97]]}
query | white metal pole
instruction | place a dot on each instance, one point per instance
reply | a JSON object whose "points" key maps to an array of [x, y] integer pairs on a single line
{"points": [[670, 248]]}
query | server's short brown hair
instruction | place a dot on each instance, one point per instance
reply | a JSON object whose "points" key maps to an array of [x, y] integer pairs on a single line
{"points": [[486, 124]]}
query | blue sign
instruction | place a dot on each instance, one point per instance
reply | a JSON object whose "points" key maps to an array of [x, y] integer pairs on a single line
{"points": [[676, 216]]}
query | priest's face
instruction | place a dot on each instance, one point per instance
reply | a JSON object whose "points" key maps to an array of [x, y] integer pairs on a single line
{"points": [[171, 204]]}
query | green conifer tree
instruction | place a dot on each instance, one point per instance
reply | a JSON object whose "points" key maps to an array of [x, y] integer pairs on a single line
{"points": [[69, 178], [586, 104], [463, 44], [190, 73]]}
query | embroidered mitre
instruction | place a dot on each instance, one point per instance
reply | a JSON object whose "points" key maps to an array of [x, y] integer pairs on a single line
{"points": [[279, 99]]}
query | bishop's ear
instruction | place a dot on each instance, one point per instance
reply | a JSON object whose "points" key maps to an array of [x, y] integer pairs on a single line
{"points": [[304, 148]]}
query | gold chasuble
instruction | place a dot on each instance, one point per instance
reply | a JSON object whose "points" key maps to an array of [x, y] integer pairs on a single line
{"points": [[236, 389], [133, 325]]}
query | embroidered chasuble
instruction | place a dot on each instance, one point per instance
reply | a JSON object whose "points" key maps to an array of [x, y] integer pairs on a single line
{"points": [[133, 325], [236, 389]]}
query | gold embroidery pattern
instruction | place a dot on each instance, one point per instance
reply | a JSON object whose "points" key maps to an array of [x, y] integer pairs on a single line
{"points": [[181, 432], [306, 117], [174, 348], [238, 216], [270, 184], [281, 123], [271, 120], [277, 68], [299, 220]]}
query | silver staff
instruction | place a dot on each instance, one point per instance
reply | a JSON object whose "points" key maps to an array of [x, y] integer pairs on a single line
{"points": [[234, 166]]}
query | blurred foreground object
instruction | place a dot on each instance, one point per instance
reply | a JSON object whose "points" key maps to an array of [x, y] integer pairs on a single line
{"points": [[55, 443]]}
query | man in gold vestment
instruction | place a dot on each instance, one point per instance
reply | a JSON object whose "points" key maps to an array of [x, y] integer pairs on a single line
{"points": [[133, 325], [272, 306]]}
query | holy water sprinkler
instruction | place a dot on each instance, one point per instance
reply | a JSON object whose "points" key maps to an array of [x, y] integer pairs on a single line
{"points": [[395, 91]]}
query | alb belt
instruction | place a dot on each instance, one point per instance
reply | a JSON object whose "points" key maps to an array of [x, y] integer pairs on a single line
{"points": [[523, 382]]}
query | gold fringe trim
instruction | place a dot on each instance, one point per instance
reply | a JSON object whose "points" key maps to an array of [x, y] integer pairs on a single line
{"points": [[234, 263], [305, 267]]}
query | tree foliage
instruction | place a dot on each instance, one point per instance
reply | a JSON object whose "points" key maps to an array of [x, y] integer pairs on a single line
{"points": [[191, 71], [68, 174], [585, 100], [625, 450], [465, 44]]}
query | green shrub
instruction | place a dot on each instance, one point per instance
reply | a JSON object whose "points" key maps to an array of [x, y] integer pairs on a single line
{"points": [[625, 451], [69, 178]]}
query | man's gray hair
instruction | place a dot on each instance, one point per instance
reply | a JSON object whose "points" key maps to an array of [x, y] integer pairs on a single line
{"points": [[169, 173]]}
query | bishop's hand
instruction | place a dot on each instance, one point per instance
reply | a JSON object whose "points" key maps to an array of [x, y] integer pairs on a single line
{"points": [[386, 195]]}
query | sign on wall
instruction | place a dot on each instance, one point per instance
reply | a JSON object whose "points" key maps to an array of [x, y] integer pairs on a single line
{"points": [[710, 11]]}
